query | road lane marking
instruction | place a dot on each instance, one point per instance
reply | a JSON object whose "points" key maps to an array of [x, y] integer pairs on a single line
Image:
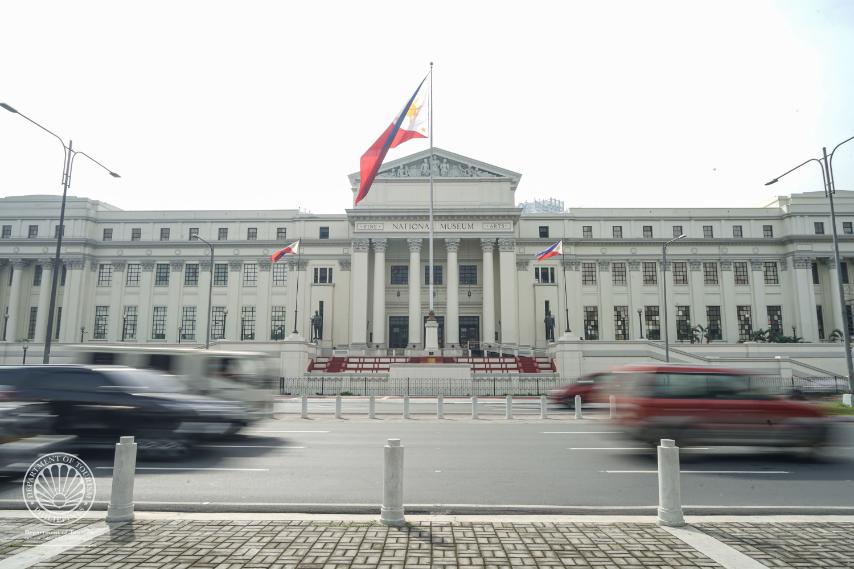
{"points": [[252, 431], [716, 550], [581, 432], [698, 471], [250, 446], [200, 468], [633, 448]]}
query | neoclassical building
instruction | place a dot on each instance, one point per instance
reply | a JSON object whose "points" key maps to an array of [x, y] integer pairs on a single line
{"points": [[139, 277]]}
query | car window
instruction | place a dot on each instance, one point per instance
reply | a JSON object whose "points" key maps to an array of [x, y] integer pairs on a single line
{"points": [[83, 380], [145, 380], [679, 386]]}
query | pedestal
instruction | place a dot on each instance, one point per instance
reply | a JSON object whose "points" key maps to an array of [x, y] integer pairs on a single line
{"points": [[296, 352], [431, 337]]}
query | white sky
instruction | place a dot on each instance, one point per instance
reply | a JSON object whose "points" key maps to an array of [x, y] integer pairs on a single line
{"points": [[269, 105]]}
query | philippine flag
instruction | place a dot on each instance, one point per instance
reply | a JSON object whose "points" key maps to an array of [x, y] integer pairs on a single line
{"points": [[410, 123], [552, 251], [291, 249]]}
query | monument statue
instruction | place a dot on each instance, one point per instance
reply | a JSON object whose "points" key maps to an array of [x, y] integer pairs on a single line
{"points": [[316, 326], [549, 321]]}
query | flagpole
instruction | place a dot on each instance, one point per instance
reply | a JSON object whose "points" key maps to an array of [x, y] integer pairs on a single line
{"points": [[296, 293], [430, 277], [565, 296]]}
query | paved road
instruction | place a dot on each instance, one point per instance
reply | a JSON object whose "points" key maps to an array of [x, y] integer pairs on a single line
{"points": [[555, 462]]}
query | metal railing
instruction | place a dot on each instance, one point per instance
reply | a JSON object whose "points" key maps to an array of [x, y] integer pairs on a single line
{"points": [[418, 386]]}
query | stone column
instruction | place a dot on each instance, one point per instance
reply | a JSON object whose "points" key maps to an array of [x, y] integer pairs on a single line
{"points": [[695, 281], [174, 306], [233, 324], [44, 299], [606, 302], [145, 310], [262, 307], [635, 299], [203, 311], [452, 311], [509, 300], [488, 333], [379, 318], [757, 282], [414, 293], [359, 293], [117, 311], [804, 301], [18, 267], [729, 315], [832, 289], [69, 327]]}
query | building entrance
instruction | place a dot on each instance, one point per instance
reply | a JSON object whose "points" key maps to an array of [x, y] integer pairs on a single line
{"points": [[398, 331], [470, 332]]}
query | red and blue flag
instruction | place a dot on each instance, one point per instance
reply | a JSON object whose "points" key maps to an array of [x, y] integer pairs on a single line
{"points": [[291, 249], [552, 251]]}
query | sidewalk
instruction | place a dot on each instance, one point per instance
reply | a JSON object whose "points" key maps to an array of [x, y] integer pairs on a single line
{"points": [[231, 541]]}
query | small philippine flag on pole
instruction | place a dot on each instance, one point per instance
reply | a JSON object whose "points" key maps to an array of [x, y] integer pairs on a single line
{"points": [[552, 251], [291, 249]]}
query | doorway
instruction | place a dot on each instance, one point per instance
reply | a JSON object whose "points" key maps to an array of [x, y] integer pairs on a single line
{"points": [[470, 332], [398, 331]]}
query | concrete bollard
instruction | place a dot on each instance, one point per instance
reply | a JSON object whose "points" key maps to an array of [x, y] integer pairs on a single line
{"points": [[578, 413], [508, 407], [474, 406], [124, 469], [846, 399], [440, 407], [391, 513], [669, 492], [304, 407], [612, 406], [406, 406], [337, 406], [372, 409], [544, 407]]}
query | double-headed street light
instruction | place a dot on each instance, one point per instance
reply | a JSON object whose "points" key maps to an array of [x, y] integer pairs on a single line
{"points": [[210, 292], [68, 164], [664, 275], [826, 164]]}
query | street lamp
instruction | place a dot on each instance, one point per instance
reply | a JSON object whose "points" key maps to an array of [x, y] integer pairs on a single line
{"points": [[26, 345], [664, 275], [180, 332], [826, 164], [82, 331], [68, 163], [224, 317], [124, 327], [640, 322], [210, 293]]}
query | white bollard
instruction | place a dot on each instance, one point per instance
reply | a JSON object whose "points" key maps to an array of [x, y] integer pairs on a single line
{"points": [[578, 413], [669, 493], [124, 469], [337, 406], [612, 406], [372, 407], [846, 399], [440, 407], [304, 407], [406, 406], [544, 407], [391, 513], [508, 407], [474, 406]]}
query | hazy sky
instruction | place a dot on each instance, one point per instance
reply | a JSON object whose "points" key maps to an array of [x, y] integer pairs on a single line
{"points": [[244, 105]]}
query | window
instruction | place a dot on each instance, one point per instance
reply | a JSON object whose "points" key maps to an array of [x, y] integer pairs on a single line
{"points": [[775, 320], [102, 315], [847, 228], [647, 231], [56, 232], [108, 235], [250, 274], [653, 322], [737, 231], [680, 273], [708, 233], [677, 230], [37, 275], [247, 323], [252, 234], [129, 323], [772, 277], [710, 274], [617, 231], [220, 277], [164, 234], [767, 231], [745, 326], [588, 273], [739, 269], [591, 322], [324, 232], [843, 270], [62, 275], [819, 227], [191, 274], [544, 232], [713, 317], [132, 274], [322, 275], [683, 323], [194, 233], [281, 233], [33, 231], [280, 274], [188, 323], [621, 322], [820, 319], [399, 274], [218, 314], [849, 318], [544, 275], [7, 231], [135, 234], [105, 274], [161, 274], [158, 323], [468, 274], [650, 273], [277, 323], [587, 232], [437, 275], [618, 274], [222, 234], [814, 267], [31, 325]]}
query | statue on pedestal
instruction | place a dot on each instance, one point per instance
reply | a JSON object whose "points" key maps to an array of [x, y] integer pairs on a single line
{"points": [[316, 326], [549, 321]]}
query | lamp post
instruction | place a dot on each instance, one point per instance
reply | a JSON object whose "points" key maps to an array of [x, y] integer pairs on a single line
{"points": [[640, 322], [124, 327], [180, 332], [26, 345], [68, 163], [826, 164], [82, 331], [664, 275], [224, 318], [210, 292]]}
